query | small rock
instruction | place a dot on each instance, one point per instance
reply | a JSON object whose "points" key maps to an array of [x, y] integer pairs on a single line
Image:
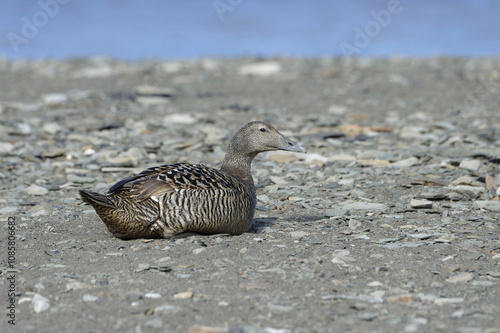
{"points": [[492, 206], [148, 90], [373, 163], [464, 180], [451, 300], [281, 157], [407, 162], [80, 179], [199, 250], [336, 211], [154, 323], [142, 267], [36, 190], [152, 295], [337, 110], [342, 157], [40, 303], [445, 238], [298, 234], [365, 206], [472, 192], [316, 159], [76, 285], [404, 298], [54, 99], [179, 118], [472, 165], [8, 210], [24, 128], [184, 295], [52, 128], [165, 308], [264, 68], [278, 180], [90, 298], [6, 147], [419, 204]]}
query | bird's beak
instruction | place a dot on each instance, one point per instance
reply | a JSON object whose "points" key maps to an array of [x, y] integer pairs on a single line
{"points": [[291, 146]]}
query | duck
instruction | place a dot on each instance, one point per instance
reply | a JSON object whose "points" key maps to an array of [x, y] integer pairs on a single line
{"points": [[179, 198]]}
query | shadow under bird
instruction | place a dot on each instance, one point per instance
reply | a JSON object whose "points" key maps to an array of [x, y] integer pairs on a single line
{"points": [[171, 199]]}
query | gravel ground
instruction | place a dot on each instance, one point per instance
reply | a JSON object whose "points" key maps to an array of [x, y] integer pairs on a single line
{"points": [[390, 223]]}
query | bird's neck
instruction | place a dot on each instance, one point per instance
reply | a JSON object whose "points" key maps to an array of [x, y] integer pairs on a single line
{"points": [[239, 167]]}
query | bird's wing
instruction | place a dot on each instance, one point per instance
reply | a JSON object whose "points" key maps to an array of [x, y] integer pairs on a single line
{"points": [[160, 180]]}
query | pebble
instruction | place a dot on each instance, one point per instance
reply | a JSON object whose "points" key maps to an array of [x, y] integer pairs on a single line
{"points": [[298, 234], [54, 99], [142, 267], [472, 165], [36, 190], [40, 303], [24, 128], [419, 204], [373, 163], [450, 300], [76, 285], [412, 161], [264, 68], [281, 157], [8, 210], [278, 180], [199, 250], [152, 295], [461, 277], [149, 90], [90, 298], [80, 179], [365, 206], [179, 118], [336, 211], [184, 295], [337, 110], [165, 309], [317, 159], [155, 323], [471, 192], [52, 128], [492, 206], [6, 147]]}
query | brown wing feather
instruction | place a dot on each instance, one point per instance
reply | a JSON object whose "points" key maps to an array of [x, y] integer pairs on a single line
{"points": [[160, 180]]}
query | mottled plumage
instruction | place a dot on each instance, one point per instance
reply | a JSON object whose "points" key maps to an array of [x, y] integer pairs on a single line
{"points": [[181, 197]]}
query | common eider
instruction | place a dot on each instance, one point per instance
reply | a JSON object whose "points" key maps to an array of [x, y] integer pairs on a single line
{"points": [[175, 198]]}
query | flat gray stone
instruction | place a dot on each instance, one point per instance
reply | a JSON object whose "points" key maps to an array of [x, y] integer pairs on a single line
{"points": [[366, 206], [36, 190], [336, 211], [420, 203]]}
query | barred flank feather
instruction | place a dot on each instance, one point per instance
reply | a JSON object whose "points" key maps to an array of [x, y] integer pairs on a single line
{"points": [[182, 197]]}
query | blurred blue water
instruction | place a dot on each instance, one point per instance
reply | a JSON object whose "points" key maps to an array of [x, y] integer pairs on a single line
{"points": [[188, 29]]}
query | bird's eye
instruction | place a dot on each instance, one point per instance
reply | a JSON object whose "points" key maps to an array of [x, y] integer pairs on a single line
{"points": [[262, 129]]}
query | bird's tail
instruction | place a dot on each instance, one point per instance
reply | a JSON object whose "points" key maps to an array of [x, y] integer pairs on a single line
{"points": [[95, 199]]}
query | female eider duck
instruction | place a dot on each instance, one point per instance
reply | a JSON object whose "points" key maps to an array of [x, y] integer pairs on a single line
{"points": [[175, 198]]}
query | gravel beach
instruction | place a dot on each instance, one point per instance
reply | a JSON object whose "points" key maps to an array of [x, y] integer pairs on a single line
{"points": [[390, 222]]}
